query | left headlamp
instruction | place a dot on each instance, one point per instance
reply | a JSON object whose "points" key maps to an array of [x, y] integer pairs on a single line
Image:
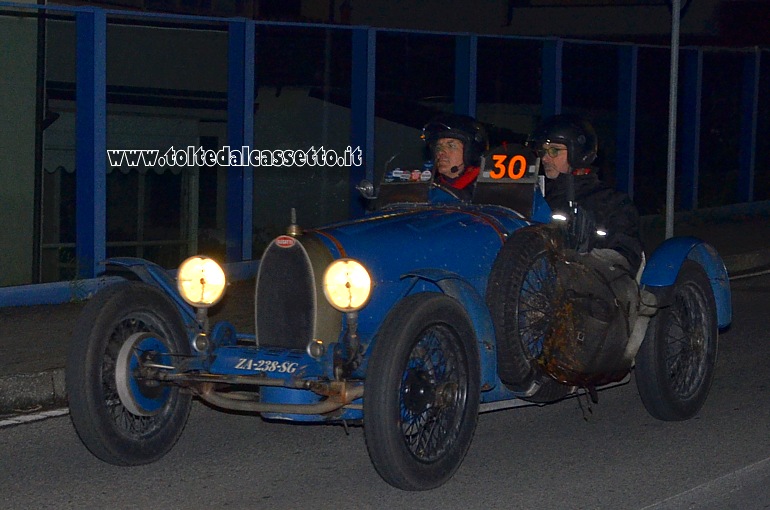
{"points": [[347, 285]]}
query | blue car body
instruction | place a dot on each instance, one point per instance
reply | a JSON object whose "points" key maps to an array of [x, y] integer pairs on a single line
{"points": [[440, 245], [447, 327]]}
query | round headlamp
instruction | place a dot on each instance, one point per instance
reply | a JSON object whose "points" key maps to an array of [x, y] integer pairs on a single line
{"points": [[201, 281], [347, 285]]}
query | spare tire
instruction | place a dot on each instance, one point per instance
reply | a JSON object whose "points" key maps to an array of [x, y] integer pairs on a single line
{"points": [[520, 295]]}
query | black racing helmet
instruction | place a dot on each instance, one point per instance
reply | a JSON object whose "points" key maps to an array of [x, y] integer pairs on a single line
{"points": [[573, 131], [460, 127]]}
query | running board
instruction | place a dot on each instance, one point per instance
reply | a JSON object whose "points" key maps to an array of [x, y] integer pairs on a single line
{"points": [[517, 402]]}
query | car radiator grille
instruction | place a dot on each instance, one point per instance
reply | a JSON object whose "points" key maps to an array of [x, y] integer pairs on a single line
{"points": [[285, 301]]}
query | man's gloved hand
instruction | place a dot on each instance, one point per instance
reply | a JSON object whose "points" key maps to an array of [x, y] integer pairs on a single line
{"points": [[581, 231]]}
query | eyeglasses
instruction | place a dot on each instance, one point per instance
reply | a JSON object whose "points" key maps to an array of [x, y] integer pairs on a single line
{"points": [[551, 151]]}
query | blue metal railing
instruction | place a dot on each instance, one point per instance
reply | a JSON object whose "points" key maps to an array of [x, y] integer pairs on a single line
{"points": [[91, 101]]}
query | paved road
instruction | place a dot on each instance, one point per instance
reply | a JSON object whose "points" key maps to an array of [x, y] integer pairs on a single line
{"points": [[559, 456]]}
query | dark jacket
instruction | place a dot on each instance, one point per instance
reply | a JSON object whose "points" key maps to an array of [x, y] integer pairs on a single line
{"points": [[613, 212]]}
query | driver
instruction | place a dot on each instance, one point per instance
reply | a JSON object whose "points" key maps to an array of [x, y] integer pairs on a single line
{"points": [[567, 146], [456, 143]]}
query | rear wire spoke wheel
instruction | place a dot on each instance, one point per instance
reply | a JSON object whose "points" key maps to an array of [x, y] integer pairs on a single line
{"points": [[421, 398], [122, 419], [521, 293], [675, 364]]}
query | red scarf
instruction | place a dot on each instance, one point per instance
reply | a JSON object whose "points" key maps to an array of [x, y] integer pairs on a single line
{"points": [[463, 180]]}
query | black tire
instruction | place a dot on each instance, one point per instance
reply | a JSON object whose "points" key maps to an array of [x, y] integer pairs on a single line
{"points": [[520, 296], [421, 399], [105, 425], [675, 363]]}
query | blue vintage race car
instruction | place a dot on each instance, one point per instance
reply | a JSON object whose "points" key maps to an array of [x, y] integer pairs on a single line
{"points": [[411, 321]]}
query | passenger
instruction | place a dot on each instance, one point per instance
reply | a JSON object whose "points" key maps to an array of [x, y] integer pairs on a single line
{"points": [[567, 146], [456, 143]]}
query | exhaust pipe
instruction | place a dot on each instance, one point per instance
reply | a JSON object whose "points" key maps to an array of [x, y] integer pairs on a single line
{"points": [[339, 395]]}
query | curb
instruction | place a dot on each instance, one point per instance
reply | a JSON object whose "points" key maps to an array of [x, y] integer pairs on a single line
{"points": [[749, 261], [29, 392]]}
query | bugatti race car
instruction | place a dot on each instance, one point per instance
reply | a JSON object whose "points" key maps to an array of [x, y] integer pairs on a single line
{"points": [[409, 321]]}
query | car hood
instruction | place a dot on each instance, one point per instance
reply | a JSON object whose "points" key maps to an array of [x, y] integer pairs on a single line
{"points": [[461, 239]]}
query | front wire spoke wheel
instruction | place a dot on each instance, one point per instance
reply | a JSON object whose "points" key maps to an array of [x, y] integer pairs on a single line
{"points": [[430, 424], [122, 418], [422, 394]]}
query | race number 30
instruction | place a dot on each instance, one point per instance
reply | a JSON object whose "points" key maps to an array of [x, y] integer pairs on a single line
{"points": [[512, 166]]}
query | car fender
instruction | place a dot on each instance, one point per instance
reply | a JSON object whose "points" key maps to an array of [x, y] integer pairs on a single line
{"points": [[152, 274], [663, 267], [455, 286]]}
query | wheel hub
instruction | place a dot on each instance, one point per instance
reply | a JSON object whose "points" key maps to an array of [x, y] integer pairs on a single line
{"points": [[419, 392], [448, 395], [140, 397]]}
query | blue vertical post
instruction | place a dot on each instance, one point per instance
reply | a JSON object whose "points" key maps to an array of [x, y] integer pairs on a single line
{"points": [[626, 126], [689, 132], [748, 137], [551, 93], [466, 63], [240, 136], [91, 144], [362, 111]]}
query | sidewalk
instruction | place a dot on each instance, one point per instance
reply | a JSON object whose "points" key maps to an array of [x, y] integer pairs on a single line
{"points": [[34, 343], [34, 340]]}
